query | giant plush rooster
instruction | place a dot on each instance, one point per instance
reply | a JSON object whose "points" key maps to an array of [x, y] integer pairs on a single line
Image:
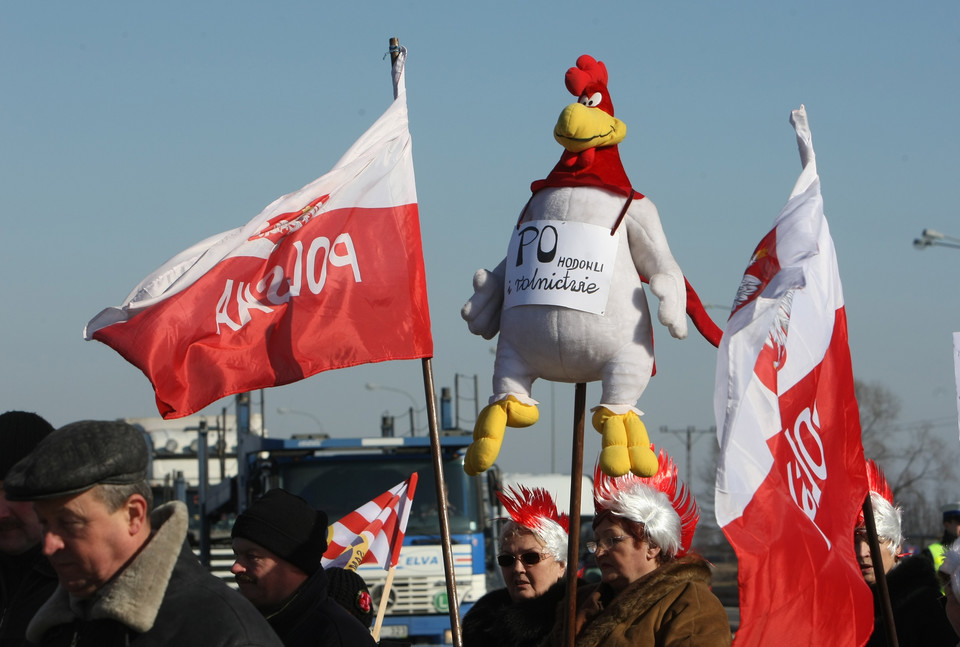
{"points": [[568, 300]]}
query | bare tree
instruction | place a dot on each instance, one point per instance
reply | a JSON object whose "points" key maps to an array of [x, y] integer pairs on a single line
{"points": [[914, 459]]}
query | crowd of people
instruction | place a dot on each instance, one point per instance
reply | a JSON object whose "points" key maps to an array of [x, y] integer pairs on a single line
{"points": [[86, 559]]}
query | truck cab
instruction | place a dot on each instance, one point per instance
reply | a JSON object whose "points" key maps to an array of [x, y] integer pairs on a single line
{"points": [[338, 475]]}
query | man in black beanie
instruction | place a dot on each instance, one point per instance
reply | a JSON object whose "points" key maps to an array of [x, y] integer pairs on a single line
{"points": [[126, 576], [278, 543], [26, 578]]}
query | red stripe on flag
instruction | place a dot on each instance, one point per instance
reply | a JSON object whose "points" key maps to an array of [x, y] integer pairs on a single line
{"points": [[797, 572], [227, 334]]}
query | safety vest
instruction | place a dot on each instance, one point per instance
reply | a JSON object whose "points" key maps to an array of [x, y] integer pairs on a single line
{"points": [[938, 551]]}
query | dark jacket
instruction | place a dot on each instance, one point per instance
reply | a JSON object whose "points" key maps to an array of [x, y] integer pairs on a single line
{"points": [[673, 605], [498, 621], [26, 581], [311, 617], [914, 598], [163, 597]]}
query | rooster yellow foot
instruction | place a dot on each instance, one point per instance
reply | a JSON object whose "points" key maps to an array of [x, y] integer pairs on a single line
{"points": [[488, 432], [625, 445]]}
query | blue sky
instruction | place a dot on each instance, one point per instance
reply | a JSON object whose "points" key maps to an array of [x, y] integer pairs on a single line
{"points": [[128, 132]]}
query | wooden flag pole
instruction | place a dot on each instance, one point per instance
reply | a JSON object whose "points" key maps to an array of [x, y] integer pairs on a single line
{"points": [[382, 607], [453, 602], [430, 396], [573, 540], [881, 577]]}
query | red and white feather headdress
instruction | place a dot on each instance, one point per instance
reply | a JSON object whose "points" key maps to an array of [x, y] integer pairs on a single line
{"points": [[886, 515], [535, 510], [662, 503]]}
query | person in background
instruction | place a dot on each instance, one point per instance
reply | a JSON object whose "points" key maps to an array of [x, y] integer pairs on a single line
{"points": [[912, 583], [350, 591], [652, 591], [126, 576], [278, 543], [936, 551], [26, 578], [950, 575], [532, 559]]}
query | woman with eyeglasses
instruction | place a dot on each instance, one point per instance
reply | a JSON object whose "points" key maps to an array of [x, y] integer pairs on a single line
{"points": [[651, 592], [532, 559]]}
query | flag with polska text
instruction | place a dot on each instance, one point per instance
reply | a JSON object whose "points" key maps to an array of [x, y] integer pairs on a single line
{"points": [[326, 277], [791, 478]]}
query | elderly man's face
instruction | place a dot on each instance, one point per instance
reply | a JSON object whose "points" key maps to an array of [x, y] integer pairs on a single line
{"points": [[19, 529], [866, 561], [85, 542], [263, 578]]}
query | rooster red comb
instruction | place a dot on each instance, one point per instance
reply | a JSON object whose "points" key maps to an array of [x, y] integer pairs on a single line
{"points": [[587, 72], [589, 76], [661, 503], [532, 508]]}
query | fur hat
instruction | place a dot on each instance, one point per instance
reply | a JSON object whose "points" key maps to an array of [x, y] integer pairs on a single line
{"points": [[350, 590], [20, 432], [661, 503], [78, 456], [535, 510], [287, 526]]}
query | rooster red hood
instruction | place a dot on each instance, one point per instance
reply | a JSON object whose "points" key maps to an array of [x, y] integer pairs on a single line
{"points": [[589, 132]]}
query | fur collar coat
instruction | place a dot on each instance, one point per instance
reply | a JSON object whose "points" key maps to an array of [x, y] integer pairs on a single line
{"points": [[673, 605], [163, 596]]}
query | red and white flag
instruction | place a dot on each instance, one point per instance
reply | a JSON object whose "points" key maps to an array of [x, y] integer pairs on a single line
{"points": [[790, 479], [373, 533], [326, 277]]}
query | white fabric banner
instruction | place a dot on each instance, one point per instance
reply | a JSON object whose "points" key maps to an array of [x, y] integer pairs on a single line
{"points": [[560, 263]]}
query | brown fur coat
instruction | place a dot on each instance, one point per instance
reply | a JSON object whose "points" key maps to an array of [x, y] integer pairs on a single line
{"points": [[671, 606]]}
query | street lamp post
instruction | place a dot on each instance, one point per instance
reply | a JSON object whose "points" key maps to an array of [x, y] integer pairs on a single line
{"points": [[285, 410], [371, 386], [933, 238]]}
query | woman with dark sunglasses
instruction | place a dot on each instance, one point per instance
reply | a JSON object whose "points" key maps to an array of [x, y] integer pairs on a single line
{"points": [[532, 559], [651, 591]]}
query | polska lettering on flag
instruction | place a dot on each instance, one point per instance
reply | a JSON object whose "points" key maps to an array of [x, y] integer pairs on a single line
{"points": [[304, 287], [373, 533], [790, 478]]}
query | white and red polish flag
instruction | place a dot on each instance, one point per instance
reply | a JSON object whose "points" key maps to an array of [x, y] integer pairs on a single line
{"points": [[326, 277], [373, 533], [790, 478]]}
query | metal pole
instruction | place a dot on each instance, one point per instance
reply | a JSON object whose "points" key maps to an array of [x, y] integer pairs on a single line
{"points": [[202, 493], [456, 399], [573, 541], [476, 398]]}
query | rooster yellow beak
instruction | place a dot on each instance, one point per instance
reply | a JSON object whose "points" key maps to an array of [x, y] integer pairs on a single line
{"points": [[580, 127]]}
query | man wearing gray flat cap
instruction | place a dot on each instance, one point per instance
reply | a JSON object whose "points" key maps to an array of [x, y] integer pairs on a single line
{"points": [[126, 576]]}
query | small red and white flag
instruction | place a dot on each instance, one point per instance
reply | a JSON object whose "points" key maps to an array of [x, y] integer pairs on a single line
{"points": [[790, 478], [326, 277], [373, 533]]}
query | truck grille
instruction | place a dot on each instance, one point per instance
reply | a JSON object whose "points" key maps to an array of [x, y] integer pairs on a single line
{"points": [[412, 596]]}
